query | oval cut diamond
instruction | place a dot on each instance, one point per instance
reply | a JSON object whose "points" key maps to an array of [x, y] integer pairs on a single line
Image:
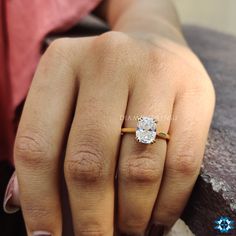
{"points": [[146, 130]]}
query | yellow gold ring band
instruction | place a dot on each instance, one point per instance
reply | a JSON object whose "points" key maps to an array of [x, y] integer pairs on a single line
{"points": [[161, 135], [146, 131]]}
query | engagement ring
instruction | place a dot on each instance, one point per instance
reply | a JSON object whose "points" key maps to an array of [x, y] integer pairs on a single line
{"points": [[146, 130]]}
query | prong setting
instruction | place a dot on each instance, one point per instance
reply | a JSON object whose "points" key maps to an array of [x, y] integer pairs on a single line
{"points": [[146, 130]]}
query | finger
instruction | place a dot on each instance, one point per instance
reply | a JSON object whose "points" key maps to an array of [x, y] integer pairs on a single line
{"points": [[91, 153], [192, 112], [11, 203], [40, 138], [141, 165]]}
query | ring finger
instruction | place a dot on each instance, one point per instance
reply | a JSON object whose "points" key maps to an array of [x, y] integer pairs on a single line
{"points": [[141, 165]]}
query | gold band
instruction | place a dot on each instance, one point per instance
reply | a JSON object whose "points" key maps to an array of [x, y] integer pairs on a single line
{"points": [[161, 135]]}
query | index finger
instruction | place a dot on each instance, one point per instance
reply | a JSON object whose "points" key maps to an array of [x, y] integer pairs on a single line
{"points": [[40, 138]]}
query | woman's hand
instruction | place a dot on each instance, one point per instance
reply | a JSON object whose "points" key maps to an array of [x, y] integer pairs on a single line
{"points": [[81, 91]]}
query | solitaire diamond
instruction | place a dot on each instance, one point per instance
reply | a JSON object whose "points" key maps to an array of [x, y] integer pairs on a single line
{"points": [[146, 130]]}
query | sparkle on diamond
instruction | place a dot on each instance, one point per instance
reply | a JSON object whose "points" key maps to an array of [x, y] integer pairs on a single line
{"points": [[146, 130]]}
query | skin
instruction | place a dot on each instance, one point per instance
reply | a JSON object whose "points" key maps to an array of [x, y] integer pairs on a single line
{"points": [[80, 91]]}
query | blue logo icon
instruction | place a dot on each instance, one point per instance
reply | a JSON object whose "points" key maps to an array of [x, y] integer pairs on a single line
{"points": [[224, 224]]}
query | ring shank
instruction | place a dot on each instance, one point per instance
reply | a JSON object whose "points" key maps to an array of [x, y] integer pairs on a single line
{"points": [[160, 135]]}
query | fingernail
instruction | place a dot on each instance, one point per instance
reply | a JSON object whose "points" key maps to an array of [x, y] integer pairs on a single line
{"points": [[41, 233], [156, 230], [11, 203]]}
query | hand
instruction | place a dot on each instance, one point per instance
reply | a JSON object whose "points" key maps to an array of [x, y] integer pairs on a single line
{"points": [[80, 91]]}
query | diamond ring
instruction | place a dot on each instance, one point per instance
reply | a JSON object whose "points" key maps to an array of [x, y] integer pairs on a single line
{"points": [[146, 130]]}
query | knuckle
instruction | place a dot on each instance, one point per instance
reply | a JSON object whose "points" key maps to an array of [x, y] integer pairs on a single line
{"points": [[185, 163], [39, 216], [59, 51], [113, 40], [58, 46], [111, 48], [85, 164], [36, 213], [206, 90], [143, 169], [199, 86], [31, 148]]}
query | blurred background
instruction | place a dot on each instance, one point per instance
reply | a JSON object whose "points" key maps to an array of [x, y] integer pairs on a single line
{"points": [[215, 14]]}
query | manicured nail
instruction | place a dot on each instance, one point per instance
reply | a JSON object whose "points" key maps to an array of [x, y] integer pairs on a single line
{"points": [[41, 233], [156, 230], [11, 203]]}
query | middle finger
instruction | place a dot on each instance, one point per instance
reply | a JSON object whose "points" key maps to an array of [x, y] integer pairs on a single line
{"points": [[91, 153]]}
